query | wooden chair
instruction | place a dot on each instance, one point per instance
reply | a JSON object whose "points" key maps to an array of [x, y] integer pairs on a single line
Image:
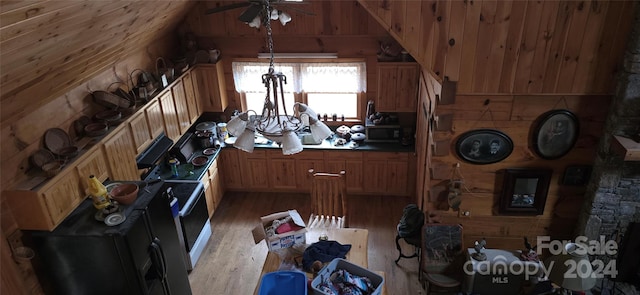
{"points": [[441, 258], [328, 200]]}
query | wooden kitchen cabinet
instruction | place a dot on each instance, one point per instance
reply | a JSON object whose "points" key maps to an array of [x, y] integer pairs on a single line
{"points": [[351, 163], [169, 115], [139, 128], [387, 172], [397, 87], [230, 168], [153, 113], [190, 95], [305, 161], [46, 207], [282, 170], [211, 92], [213, 188], [94, 164], [180, 101], [121, 155], [255, 169]]}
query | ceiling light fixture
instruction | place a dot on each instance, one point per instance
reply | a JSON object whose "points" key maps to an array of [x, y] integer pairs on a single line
{"points": [[274, 123]]}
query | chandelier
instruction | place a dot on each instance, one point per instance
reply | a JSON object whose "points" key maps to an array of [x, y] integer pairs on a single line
{"points": [[274, 123]]}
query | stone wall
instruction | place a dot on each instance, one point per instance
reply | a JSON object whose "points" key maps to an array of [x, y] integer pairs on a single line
{"points": [[612, 199]]}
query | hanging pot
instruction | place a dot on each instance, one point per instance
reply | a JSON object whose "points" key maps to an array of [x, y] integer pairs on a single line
{"points": [[205, 139], [357, 129]]}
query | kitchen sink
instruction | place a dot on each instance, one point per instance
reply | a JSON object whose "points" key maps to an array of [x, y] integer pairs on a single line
{"points": [[307, 139]]}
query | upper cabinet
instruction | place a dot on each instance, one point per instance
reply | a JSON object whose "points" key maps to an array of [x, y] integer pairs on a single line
{"points": [[397, 87], [190, 88], [211, 91]]}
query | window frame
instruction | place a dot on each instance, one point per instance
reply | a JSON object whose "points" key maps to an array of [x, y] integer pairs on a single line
{"points": [[302, 96]]}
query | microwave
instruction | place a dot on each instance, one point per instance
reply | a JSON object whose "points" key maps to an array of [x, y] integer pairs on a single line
{"points": [[383, 133]]}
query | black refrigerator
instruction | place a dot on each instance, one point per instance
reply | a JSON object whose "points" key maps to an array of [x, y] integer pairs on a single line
{"points": [[142, 255]]}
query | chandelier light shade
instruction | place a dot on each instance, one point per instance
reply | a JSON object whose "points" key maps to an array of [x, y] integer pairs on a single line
{"points": [[273, 122]]}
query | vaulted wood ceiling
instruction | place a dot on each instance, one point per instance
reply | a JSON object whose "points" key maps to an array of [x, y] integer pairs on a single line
{"points": [[48, 46]]}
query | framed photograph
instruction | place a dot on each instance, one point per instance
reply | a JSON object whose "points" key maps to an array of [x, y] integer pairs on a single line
{"points": [[555, 134], [484, 146], [576, 175], [524, 191]]}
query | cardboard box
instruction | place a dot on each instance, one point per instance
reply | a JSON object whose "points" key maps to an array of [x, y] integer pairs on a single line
{"points": [[324, 275], [284, 240]]}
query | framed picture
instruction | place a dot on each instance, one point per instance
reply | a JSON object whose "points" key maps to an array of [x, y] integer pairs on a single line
{"points": [[484, 146], [524, 191], [576, 175], [555, 134]]}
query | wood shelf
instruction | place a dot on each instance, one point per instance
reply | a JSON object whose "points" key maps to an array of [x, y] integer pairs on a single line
{"points": [[629, 148]]}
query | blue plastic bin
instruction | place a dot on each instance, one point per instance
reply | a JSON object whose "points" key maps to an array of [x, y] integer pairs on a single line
{"points": [[283, 283]]}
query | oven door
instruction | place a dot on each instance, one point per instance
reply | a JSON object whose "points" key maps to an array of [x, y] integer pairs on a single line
{"points": [[193, 218]]}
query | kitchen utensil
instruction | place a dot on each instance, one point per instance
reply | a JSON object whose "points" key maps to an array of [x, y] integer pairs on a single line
{"points": [[343, 131], [41, 157], [96, 129], [111, 186], [205, 139], [55, 139], [108, 116], [358, 137], [206, 126], [125, 193], [114, 219], [199, 161], [52, 168], [209, 151], [67, 152], [357, 129], [109, 100]]}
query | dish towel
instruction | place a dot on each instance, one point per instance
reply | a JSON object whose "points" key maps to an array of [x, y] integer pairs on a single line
{"points": [[323, 251]]}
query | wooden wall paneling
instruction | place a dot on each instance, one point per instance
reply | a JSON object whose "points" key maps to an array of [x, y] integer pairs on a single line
{"points": [[573, 46], [512, 46], [411, 33], [585, 107], [527, 47], [588, 56], [428, 43], [18, 20], [486, 29], [500, 28], [546, 35], [470, 37], [398, 17], [473, 108], [617, 28], [440, 37], [566, 11], [455, 40]]}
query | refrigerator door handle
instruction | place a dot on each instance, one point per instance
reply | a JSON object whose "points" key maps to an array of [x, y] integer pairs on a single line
{"points": [[158, 259]]}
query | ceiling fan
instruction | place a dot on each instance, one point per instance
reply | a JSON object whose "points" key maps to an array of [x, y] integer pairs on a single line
{"points": [[255, 7]]}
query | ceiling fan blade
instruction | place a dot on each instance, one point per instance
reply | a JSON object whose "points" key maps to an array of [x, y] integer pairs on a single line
{"points": [[248, 15], [227, 7]]}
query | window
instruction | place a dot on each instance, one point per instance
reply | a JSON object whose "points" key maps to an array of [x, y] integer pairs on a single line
{"points": [[328, 88]]}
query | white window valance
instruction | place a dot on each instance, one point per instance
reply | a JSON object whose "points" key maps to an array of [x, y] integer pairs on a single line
{"points": [[304, 77]]}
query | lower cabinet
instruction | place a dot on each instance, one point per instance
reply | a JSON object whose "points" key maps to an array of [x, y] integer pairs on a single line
{"points": [[213, 188], [268, 170], [46, 207]]}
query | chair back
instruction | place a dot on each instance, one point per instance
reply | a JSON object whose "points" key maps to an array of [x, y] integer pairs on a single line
{"points": [[328, 194], [441, 247]]}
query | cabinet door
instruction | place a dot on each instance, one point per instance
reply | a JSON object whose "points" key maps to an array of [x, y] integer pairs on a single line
{"points": [[212, 90], [282, 170], [64, 196], [397, 178], [230, 165], [216, 190], [95, 164], [153, 113], [180, 100], [305, 161], [407, 88], [208, 194], [255, 174], [190, 94], [171, 126], [387, 96], [351, 163], [140, 131], [121, 156]]}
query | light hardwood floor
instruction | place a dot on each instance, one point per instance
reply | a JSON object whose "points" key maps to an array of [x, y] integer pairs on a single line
{"points": [[231, 262]]}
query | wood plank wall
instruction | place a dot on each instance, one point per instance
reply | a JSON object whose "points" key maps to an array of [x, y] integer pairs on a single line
{"points": [[341, 27], [525, 58], [522, 47]]}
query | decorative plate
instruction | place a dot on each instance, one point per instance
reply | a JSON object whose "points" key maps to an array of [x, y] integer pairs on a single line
{"points": [[209, 151], [114, 219]]}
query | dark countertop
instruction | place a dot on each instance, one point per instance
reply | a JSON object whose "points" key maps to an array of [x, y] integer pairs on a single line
{"points": [[164, 171], [328, 144]]}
